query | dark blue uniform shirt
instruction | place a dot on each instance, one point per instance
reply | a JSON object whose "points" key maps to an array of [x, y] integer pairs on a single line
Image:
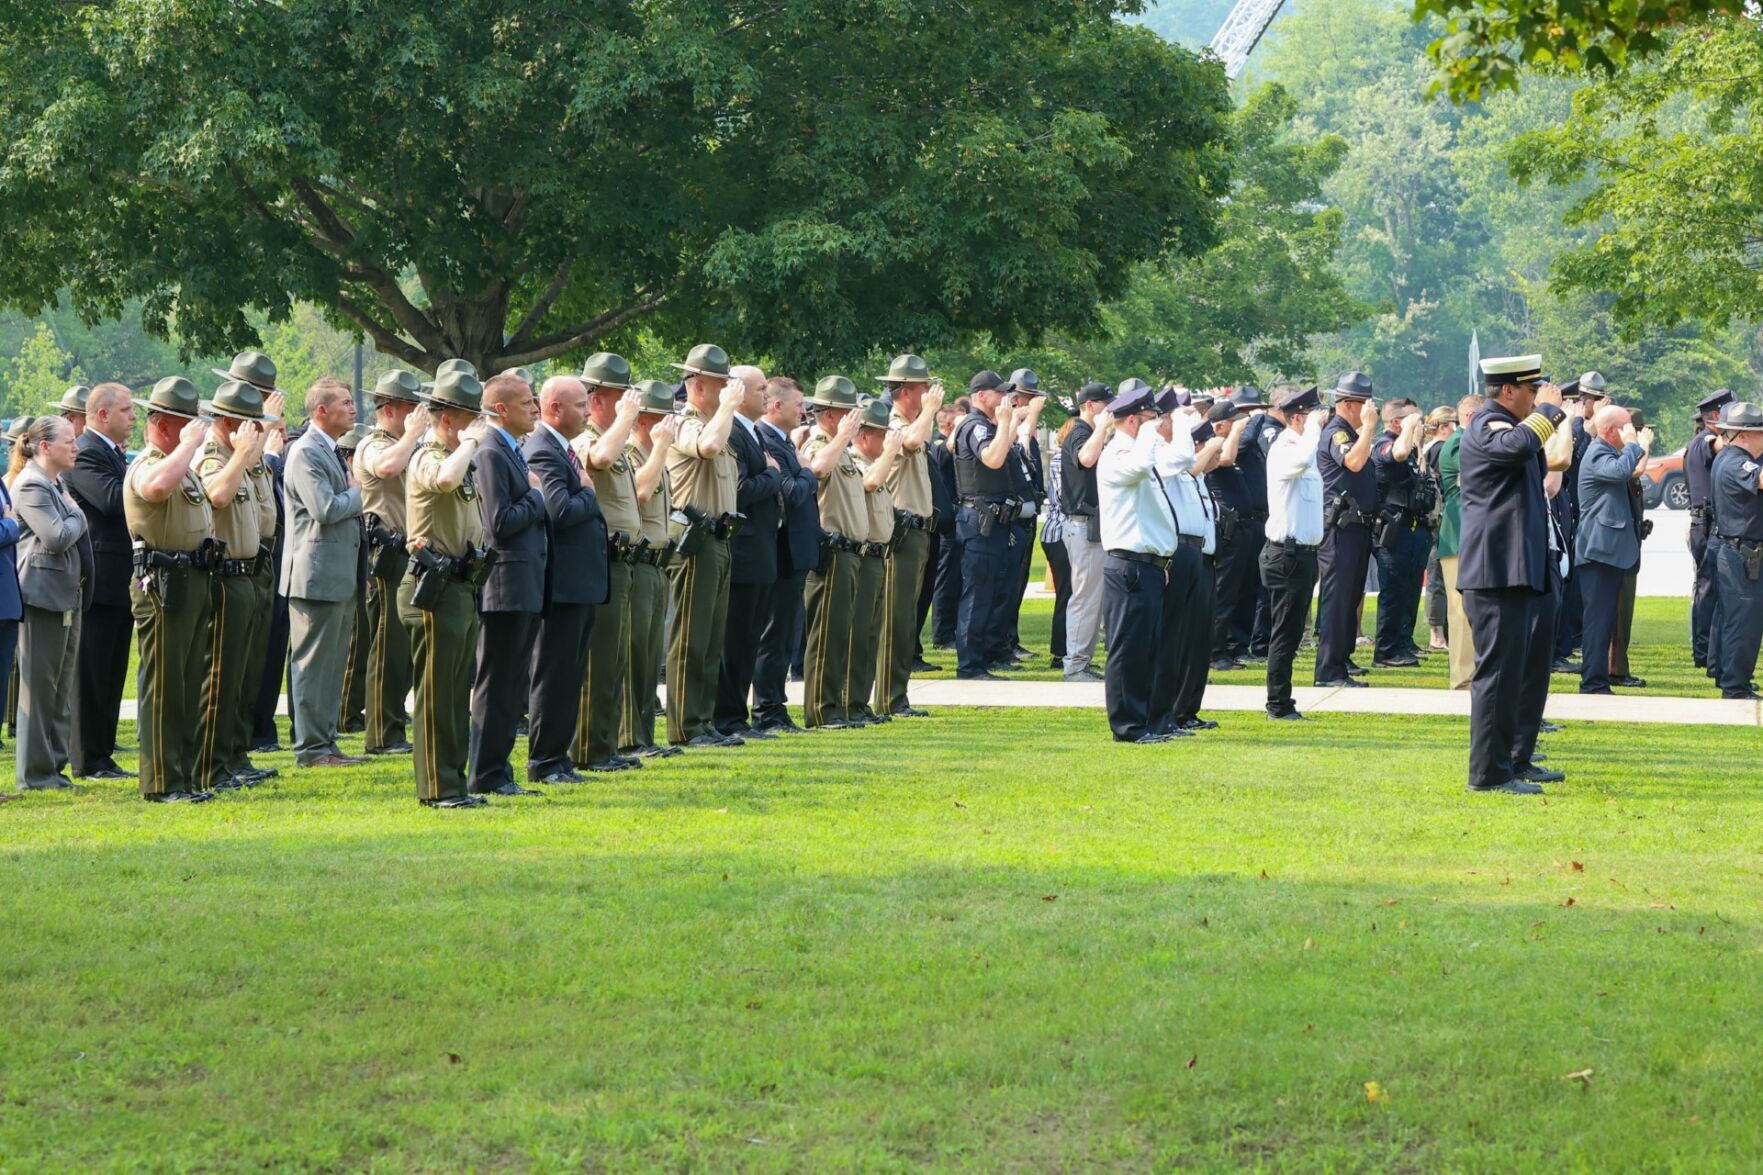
{"points": [[1738, 504], [1698, 467], [1337, 437]]}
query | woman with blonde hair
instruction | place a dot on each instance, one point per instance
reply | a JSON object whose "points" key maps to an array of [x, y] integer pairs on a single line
{"points": [[50, 527]]}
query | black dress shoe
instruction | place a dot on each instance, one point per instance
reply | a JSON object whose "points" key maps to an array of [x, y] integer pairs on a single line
{"points": [[1146, 738], [750, 732], [1515, 787], [563, 775], [923, 666], [1629, 681], [705, 740], [1396, 662], [1225, 664], [1342, 683], [268, 748], [1019, 652], [1538, 757], [982, 675], [1535, 774], [180, 797], [607, 766], [911, 712], [1287, 716], [1254, 659], [257, 774], [841, 724], [630, 762], [651, 751], [456, 802], [509, 789], [1356, 670], [781, 726], [1744, 696], [1199, 724], [732, 740], [226, 783], [1563, 665], [109, 773], [391, 749], [1549, 727]]}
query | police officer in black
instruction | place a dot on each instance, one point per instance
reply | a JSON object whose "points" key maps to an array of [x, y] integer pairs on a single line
{"points": [[1402, 539], [1264, 429], [1349, 511], [1028, 398], [1698, 469], [1235, 545], [1737, 489], [988, 498]]}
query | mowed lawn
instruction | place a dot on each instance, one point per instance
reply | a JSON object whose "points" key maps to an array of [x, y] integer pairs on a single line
{"points": [[987, 940]]}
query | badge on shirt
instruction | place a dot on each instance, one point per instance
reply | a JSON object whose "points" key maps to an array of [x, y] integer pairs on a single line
{"points": [[1749, 468], [1269, 434]]}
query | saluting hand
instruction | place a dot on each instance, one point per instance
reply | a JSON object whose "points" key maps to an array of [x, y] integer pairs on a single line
{"points": [[666, 430], [477, 430], [417, 422], [1318, 417], [733, 392], [630, 404], [193, 432], [933, 399], [1645, 440], [1104, 421], [1549, 394]]}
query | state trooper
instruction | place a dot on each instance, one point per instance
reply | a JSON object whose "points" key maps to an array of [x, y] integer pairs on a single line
{"points": [[171, 592], [832, 587], [646, 451], [916, 400], [875, 449], [1349, 487], [1737, 485]]}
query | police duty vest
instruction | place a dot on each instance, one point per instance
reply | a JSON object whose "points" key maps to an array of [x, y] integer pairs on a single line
{"points": [[973, 477]]}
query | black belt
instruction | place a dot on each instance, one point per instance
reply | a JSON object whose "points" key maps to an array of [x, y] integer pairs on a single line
{"points": [[839, 542], [1739, 540], [238, 566], [1194, 540], [1161, 562], [874, 550]]}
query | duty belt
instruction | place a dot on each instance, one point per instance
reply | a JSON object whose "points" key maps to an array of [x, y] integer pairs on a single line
{"points": [[1195, 541], [839, 542], [873, 550], [1161, 562], [238, 566], [1702, 513]]}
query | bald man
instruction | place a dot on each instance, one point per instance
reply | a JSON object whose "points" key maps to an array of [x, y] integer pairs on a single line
{"points": [[753, 556], [1608, 543]]}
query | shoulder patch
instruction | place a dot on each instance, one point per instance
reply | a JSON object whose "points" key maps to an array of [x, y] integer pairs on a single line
{"points": [[1341, 438], [1267, 434], [1749, 467]]}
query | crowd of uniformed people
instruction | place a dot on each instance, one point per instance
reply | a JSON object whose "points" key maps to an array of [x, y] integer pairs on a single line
{"points": [[536, 560]]}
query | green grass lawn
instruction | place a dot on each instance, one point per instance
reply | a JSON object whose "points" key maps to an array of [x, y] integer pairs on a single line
{"points": [[985, 939]]}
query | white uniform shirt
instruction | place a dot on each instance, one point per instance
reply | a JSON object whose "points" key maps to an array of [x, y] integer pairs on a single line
{"points": [[1294, 488], [1135, 514], [1175, 464]]}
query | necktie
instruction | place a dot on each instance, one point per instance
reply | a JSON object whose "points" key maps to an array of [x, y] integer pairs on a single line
{"points": [[575, 462]]}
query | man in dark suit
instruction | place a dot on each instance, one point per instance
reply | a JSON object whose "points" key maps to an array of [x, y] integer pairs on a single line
{"points": [[513, 508], [1609, 542], [797, 544], [578, 580], [95, 482], [1503, 563], [946, 590], [753, 557]]}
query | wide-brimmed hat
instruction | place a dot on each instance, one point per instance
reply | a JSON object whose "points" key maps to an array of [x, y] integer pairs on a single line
{"points": [[353, 438], [251, 367], [1353, 385], [873, 412], [15, 429], [606, 370], [834, 391], [74, 399], [237, 400], [657, 397], [1593, 383], [705, 359], [906, 369], [175, 396], [453, 367], [456, 389], [1247, 395], [519, 373], [1741, 416], [398, 385], [1025, 381]]}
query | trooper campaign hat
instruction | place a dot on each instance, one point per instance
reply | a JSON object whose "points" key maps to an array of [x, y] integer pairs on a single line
{"points": [[834, 391], [1592, 383], [872, 412], [1741, 416], [1025, 382], [1247, 396], [1353, 385], [237, 400], [74, 399], [1517, 369], [606, 370], [1306, 400], [1133, 396], [705, 359], [521, 374], [16, 430], [1714, 402], [351, 440], [398, 385], [174, 396], [459, 390], [452, 367], [656, 397], [1224, 410], [251, 367], [906, 369]]}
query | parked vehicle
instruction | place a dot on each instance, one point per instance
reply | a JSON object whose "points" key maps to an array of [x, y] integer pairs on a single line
{"points": [[1662, 482]]}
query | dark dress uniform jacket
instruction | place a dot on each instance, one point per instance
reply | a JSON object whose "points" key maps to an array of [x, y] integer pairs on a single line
{"points": [[514, 526], [579, 552], [798, 547], [1505, 541], [753, 554], [95, 481]]}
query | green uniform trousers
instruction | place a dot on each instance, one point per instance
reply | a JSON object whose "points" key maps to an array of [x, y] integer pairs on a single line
{"points": [[831, 594], [443, 645], [609, 670], [352, 718], [865, 630], [899, 621], [648, 609], [173, 635], [256, 662], [388, 664], [227, 699], [694, 650]]}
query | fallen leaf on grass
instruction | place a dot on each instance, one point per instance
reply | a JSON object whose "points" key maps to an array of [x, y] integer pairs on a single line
{"points": [[1193, 1060], [1568, 902], [1374, 1093], [453, 1058], [1052, 897], [1584, 1077], [1389, 901], [722, 811], [1308, 943], [1264, 876], [959, 804], [1660, 906], [1577, 867]]}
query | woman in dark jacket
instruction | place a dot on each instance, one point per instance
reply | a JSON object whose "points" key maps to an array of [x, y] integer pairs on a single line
{"points": [[11, 604], [48, 576]]}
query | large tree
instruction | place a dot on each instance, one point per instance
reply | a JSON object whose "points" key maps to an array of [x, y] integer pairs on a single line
{"points": [[508, 181]]}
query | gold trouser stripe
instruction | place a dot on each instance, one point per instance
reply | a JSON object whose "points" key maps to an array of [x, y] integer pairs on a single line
{"points": [[375, 677], [815, 676], [677, 650], [884, 676], [430, 759], [211, 716]]}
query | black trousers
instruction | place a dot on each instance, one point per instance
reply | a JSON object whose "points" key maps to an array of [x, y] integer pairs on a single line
{"points": [[103, 672], [749, 606], [1011, 602], [1535, 696], [499, 687], [1400, 568], [1234, 565], [1601, 590], [1193, 638], [771, 659], [269, 691], [1570, 618], [927, 590], [1251, 598], [1059, 563], [1180, 619], [1625, 600], [1341, 562], [946, 591], [559, 664], [1741, 610], [1289, 579], [989, 567], [1501, 622], [1132, 615], [1703, 593]]}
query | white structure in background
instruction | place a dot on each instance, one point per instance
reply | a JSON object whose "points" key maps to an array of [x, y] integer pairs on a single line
{"points": [[1241, 32]]}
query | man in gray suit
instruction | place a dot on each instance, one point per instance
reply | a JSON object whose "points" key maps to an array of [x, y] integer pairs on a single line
{"points": [[1607, 545], [318, 572]]}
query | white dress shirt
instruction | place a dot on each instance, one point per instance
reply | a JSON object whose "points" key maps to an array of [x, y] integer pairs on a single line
{"points": [[1294, 488], [1135, 514], [1175, 465]]}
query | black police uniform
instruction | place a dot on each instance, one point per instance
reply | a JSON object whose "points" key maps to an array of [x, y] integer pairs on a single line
{"points": [[1570, 623], [1264, 432], [1503, 573], [1400, 545], [1349, 508], [1236, 549], [1025, 475], [1698, 471], [988, 536], [1738, 515]]}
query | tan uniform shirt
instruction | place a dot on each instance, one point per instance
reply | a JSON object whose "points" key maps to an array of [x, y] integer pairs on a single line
{"points": [[879, 506], [615, 486], [704, 483], [262, 483], [909, 479], [653, 513], [235, 520], [447, 519], [179, 523], [384, 496], [842, 508]]}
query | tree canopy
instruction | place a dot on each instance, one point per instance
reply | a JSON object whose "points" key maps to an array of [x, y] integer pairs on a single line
{"points": [[806, 179]]}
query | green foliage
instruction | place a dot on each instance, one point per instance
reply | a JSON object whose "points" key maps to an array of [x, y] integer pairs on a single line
{"points": [[807, 179], [1486, 42], [37, 374]]}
